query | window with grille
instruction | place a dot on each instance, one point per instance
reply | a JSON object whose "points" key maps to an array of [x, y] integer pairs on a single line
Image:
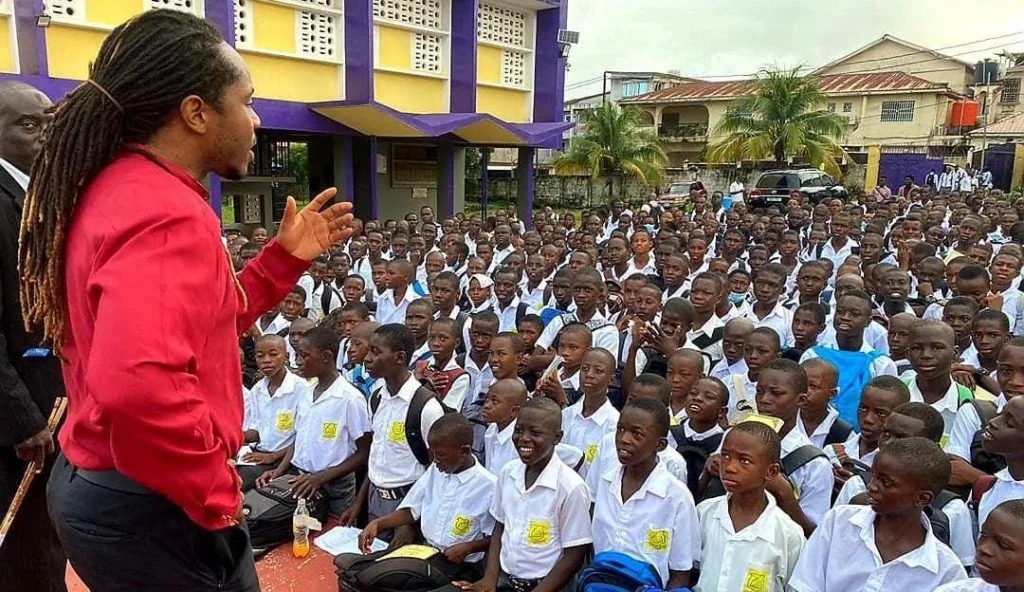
{"points": [[191, 6], [897, 111], [426, 53], [243, 23], [317, 35], [65, 10], [417, 13], [1011, 91], [847, 107], [831, 107], [513, 68], [512, 31]]}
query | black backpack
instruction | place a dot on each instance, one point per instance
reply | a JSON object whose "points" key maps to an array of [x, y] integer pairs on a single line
{"points": [[938, 519], [414, 436], [980, 459], [789, 464], [268, 513], [839, 432], [378, 573], [695, 453]]}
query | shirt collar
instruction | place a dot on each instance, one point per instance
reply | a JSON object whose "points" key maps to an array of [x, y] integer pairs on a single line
{"points": [[547, 479], [698, 436], [709, 327], [949, 401], [468, 474], [171, 168], [657, 483], [406, 391], [926, 556], [19, 177], [755, 530], [604, 412]]}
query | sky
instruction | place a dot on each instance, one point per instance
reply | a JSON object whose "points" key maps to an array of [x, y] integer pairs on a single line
{"points": [[737, 37]]}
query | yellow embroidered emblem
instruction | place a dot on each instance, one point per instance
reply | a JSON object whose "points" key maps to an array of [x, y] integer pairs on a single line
{"points": [[285, 421], [591, 453], [330, 430], [396, 433], [538, 533], [658, 539], [756, 581], [461, 526]]}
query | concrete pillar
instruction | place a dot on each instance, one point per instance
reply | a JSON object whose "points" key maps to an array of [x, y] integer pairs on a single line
{"points": [[216, 189], [344, 180], [485, 181], [525, 185], [871, 172], [374, 206], [445, 180], [459, 197], [1017, 177]]}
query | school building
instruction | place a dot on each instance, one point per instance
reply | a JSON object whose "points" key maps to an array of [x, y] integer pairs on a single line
{"points": [[385, 94]]}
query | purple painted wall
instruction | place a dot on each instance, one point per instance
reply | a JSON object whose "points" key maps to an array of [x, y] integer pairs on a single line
{"points": [[222, 14], [31, 39], [549, 68], [358, 50], [463, 52], [896, 166]]}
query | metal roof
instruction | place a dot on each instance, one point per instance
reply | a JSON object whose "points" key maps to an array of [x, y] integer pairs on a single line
{"points": [[833, 84], [1011, 126]]}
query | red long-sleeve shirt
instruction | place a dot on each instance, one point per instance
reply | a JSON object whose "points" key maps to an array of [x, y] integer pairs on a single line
{"points": [[152, 359]]}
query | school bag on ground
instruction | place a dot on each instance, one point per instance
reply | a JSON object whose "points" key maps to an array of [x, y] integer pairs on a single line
{"points": [[268, 513], [381, 572], [611, 571]]}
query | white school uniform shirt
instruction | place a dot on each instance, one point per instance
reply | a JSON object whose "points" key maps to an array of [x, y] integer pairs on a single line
{"points": [[852, 448], [542, 521], [766, 551], [741, 388], [453, 508], [657, 525], [842, 555], [499, 257], [276, 326], [723, 370], [458, 392], [606, 337], [965, 425], [535, 297], [837, 256], [961, 520], [585, 433], [779, 318], [875, 335], [316, 310], [814, 480], [608, 459], [480, 379], [326, 429], [308, 284], [390, 311], [273, 416], [947, 406], [647, 269], [714, 351], [677, 293], [392, 463], [968, 585], [1004, 488], [821, 432], [499, 449], [507, 315]]}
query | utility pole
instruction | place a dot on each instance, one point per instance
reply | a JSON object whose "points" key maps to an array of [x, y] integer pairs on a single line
{"points": [[604, 87], [984, 130]]}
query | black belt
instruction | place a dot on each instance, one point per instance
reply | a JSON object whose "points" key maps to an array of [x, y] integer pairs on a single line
{"points": [[393, 495], [111, 480], [520, 584]]}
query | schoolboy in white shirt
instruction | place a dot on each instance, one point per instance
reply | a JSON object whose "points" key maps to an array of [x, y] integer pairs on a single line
{"points": [[541, 509], [747, 541], [588, 420], [888, 545], [640, 509]]}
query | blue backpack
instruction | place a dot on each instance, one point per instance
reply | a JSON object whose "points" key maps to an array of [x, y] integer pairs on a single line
{"points": [[611, 571]]}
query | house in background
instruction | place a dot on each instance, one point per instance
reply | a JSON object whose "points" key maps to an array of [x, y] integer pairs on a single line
{"points": [[385, 94]]}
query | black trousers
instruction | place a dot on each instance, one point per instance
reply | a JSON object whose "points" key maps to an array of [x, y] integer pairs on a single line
{"points": [[120, 537], [32, 559]]}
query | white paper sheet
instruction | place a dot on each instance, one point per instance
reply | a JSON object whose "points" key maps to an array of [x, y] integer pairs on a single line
{"points": [[345, 539], [244, 450]]}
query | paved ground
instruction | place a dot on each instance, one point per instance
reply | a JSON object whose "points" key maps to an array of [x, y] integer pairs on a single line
{"points": [[279, 572]]}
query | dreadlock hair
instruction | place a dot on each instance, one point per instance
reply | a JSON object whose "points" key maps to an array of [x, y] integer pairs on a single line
{"points": [[143, 71]]}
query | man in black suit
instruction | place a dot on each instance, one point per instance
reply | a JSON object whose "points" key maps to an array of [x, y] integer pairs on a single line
{"points": [[31, 559]]}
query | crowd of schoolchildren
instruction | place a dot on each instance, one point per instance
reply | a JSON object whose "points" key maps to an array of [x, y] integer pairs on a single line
{"points": [[809, 397]]}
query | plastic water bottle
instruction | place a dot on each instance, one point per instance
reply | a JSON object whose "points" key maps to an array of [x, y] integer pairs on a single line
{"points": [[300, 530]]}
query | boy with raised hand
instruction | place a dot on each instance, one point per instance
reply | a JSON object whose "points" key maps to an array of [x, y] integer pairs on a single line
{"points": [[541, 511], [562, 383], [747, 541], [889, 544], [640, 509]]}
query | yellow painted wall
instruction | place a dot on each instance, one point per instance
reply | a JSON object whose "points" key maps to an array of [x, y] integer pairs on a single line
{"points": [[111, 12], [1017, 178], [506, 104], [293, 80], [488, 64], [6, 51], [405, 92], [874, 160], [394, 48], [273, 27], [69, 49]]}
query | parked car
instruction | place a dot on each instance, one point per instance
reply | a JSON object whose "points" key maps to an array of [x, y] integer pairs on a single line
{"points": [[675, 195], [773, 187]]}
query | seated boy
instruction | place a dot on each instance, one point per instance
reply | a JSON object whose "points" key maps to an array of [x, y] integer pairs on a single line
{"points": [[451, 501], [888, 545], [685, 368], [332, 428], [747, 542], [585, 422], [808, 325], [700, 434], [640, 509], [819, 420], [760, 349], [541, 510], [1000, 564], [921, 420], [269, 423], [358, 347], [449, 380]]}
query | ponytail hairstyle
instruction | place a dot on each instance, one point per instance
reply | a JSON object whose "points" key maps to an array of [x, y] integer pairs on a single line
{"points": [[144, 70]]}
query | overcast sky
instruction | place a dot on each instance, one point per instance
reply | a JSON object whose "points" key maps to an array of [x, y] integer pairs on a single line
{"points": [[729, 37]]}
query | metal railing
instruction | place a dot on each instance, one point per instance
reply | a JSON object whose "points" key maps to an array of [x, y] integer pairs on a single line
{"points": [[684, 130]]}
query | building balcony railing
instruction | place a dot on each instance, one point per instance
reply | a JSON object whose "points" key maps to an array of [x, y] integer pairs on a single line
{"points": [[693, 132]]}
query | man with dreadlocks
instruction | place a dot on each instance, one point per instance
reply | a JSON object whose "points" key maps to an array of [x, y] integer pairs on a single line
{"points": [[32, 559], [123, 266]]}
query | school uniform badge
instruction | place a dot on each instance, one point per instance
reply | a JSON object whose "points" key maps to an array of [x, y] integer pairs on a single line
{"points": [[538, 533], [461, 526], [658, 539], [285, 421], [396, 433], [755, 581], [330, 430]]}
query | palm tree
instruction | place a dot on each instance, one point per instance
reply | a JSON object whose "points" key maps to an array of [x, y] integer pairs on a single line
{"points": [[614, 147], [784, 118]]}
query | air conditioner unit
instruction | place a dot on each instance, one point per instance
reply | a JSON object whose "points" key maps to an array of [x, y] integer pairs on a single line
{"points": [[568, 37]]}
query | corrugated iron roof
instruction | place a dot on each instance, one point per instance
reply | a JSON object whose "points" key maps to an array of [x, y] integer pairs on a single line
{"points": [[832, 84], [1011, 126]]}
